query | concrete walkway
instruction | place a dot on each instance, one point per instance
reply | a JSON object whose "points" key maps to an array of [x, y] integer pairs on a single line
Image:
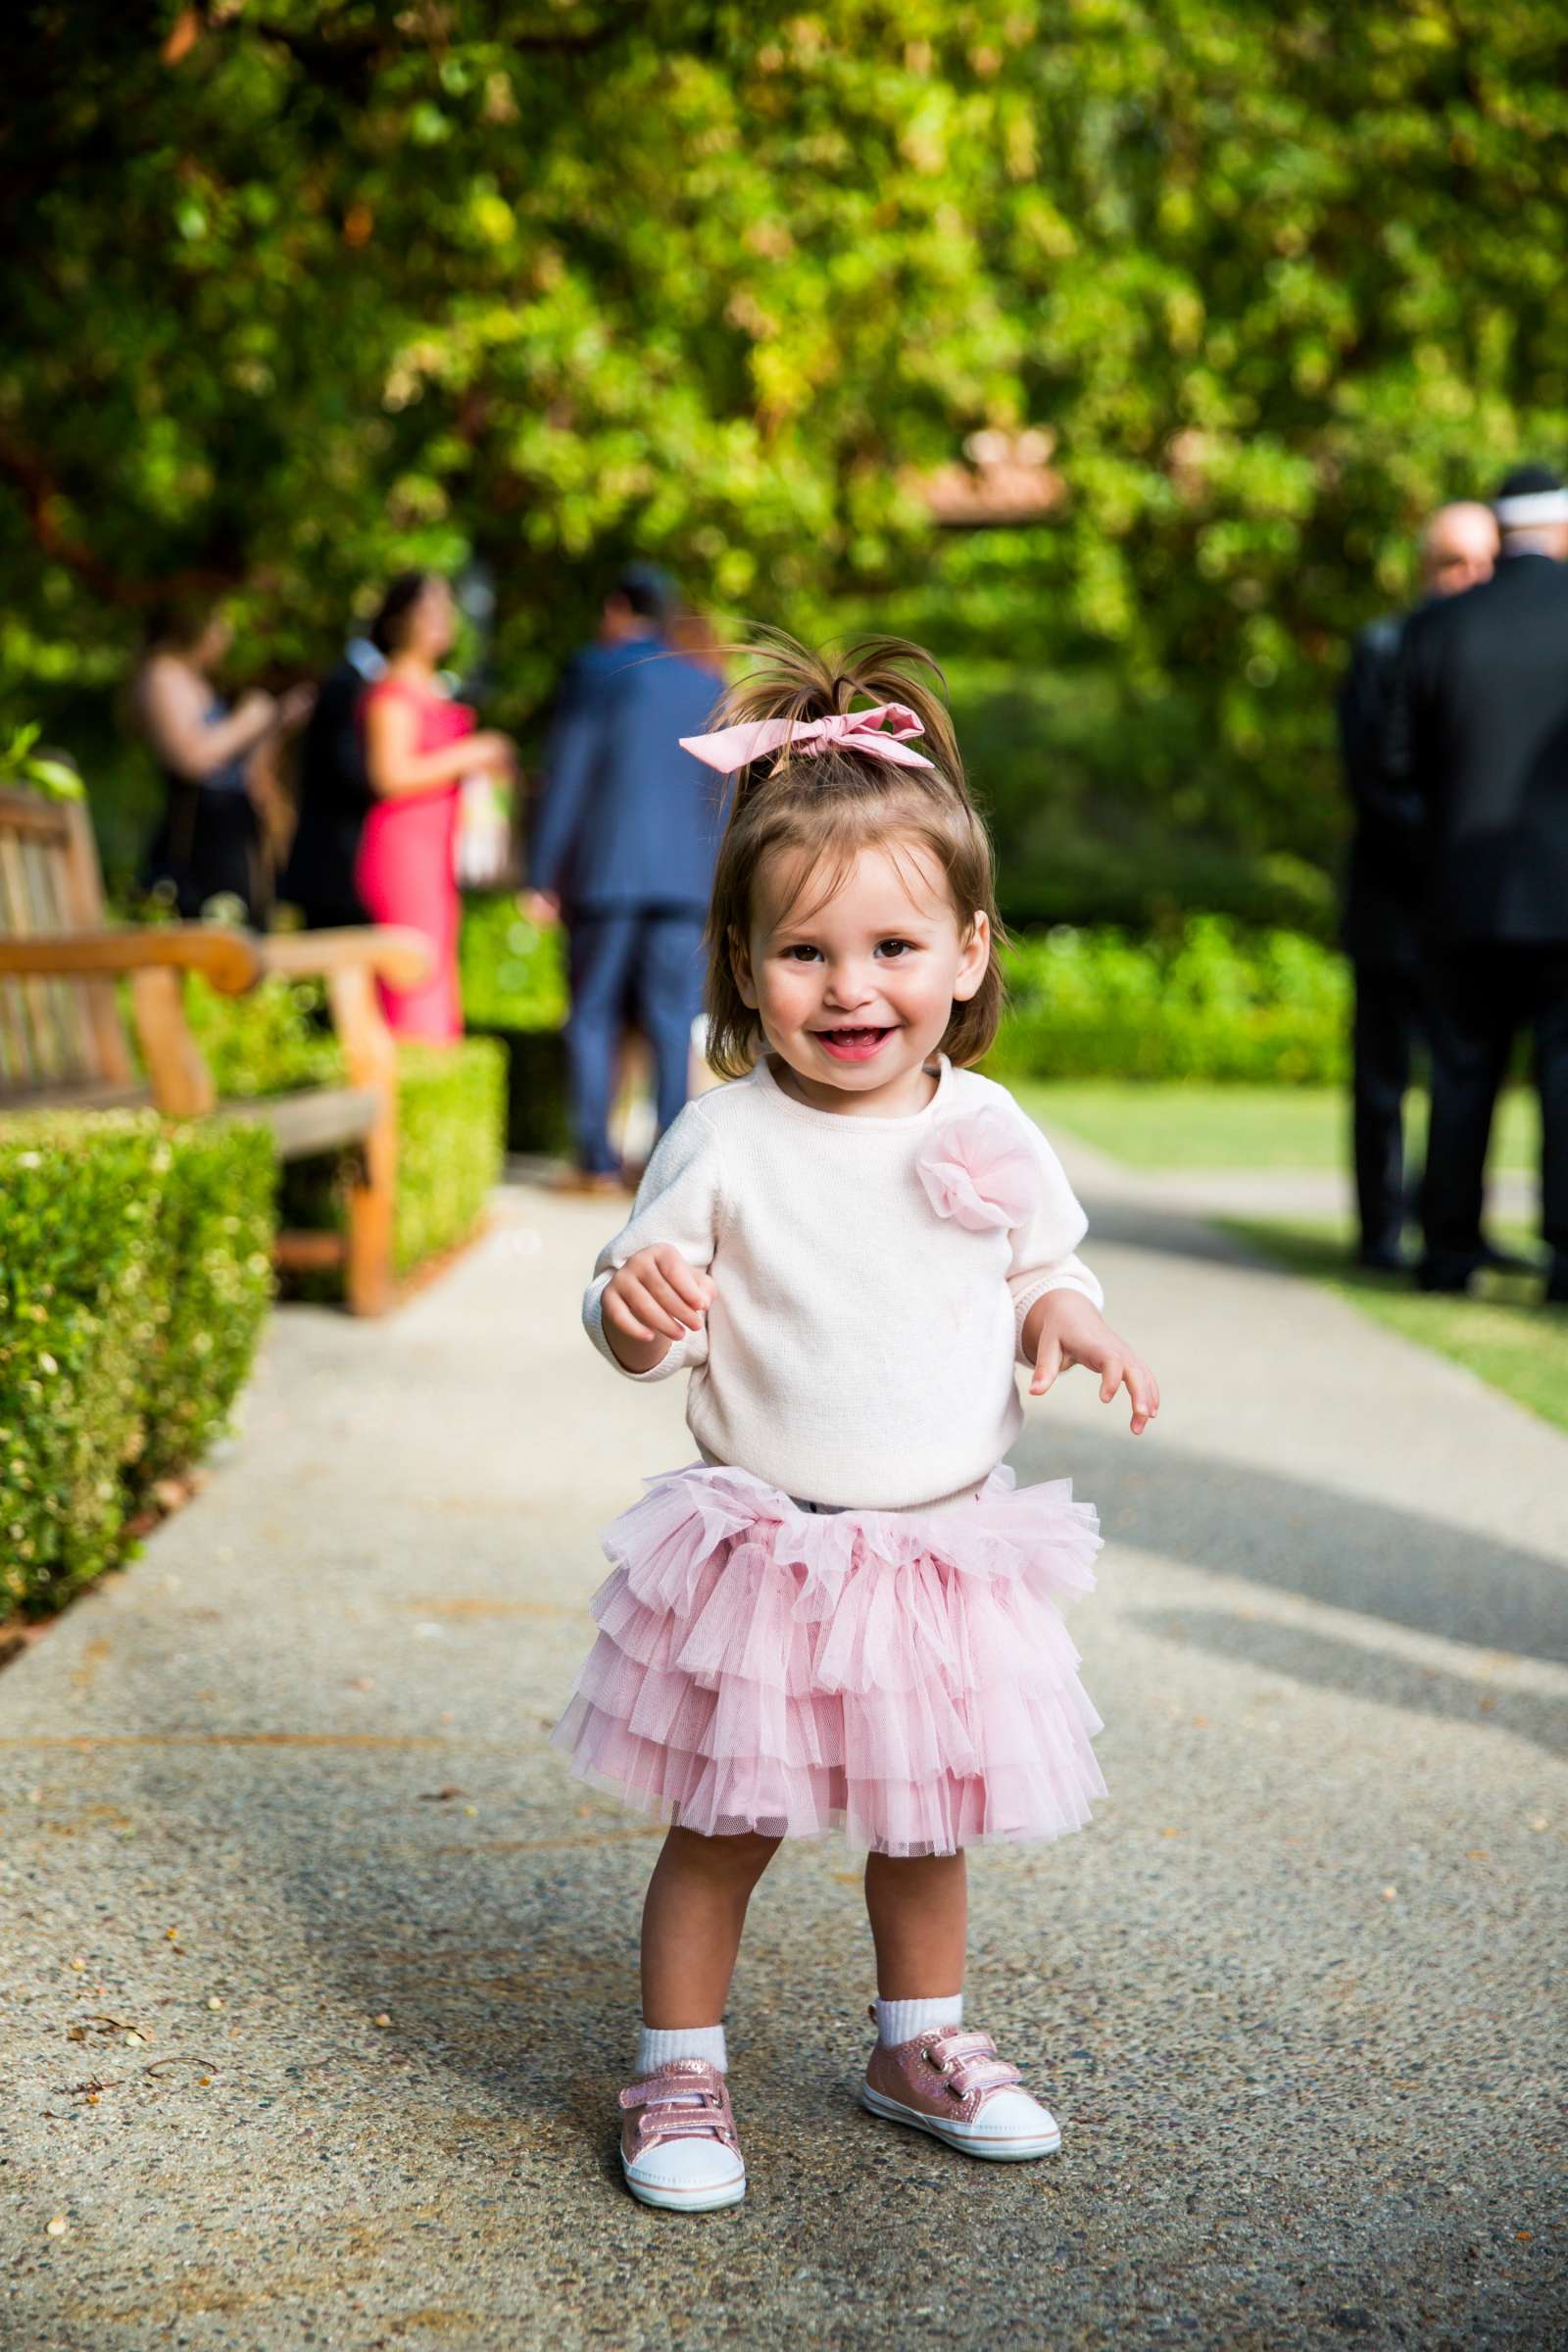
{"points": [[289, 1872]]}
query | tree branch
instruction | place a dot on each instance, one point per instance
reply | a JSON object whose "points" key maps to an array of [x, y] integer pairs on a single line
{"points": [[40, 498]]}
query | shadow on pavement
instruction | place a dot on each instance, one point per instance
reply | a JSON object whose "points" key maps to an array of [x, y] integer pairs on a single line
{"points": [[1330, 1663], [1375, 1558], [1169, 1233]]}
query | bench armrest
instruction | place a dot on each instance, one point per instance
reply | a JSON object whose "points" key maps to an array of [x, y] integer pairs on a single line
{"points": [[227, 960], [400, 958]]}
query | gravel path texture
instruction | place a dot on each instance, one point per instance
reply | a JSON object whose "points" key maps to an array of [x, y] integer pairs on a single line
{"points": [[319, 1973]]}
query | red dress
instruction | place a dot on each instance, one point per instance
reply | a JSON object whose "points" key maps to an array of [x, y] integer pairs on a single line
{"points": [[404, 873]]}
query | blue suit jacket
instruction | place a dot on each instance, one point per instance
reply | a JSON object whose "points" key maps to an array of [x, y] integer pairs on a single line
{"points": [[626, 818]]}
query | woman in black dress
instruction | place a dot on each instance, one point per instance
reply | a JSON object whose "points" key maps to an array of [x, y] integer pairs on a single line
{"points": [[208, 841]]}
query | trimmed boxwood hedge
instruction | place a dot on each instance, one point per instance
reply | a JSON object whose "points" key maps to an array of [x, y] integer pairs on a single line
{"points": [[134, 1277], [451, 1131]]}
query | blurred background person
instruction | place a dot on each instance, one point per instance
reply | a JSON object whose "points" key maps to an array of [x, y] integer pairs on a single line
{"points": [[209, 840], [1383, 883], [635, 616], [418, 745], [623, 846], [693, 634], [333, 795], [1478, 727]]}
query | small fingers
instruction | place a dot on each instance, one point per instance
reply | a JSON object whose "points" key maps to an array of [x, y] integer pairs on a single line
{"points": [[1111, 1377], [1048, 1364], [696, 1288], [620, 1317], [644, 1309], [663, 1294], [1143, 1391]]}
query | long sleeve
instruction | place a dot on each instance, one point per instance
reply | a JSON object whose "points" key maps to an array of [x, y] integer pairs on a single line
{"points": [[680, 1200], [1374, 721], [577, 747], [1045, 1246], [1399, 771]]}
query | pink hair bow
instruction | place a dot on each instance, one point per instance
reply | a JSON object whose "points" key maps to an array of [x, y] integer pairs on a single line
{"points": [[851, 730]]}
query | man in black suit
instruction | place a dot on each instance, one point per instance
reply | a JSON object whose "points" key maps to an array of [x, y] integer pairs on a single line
{"points": [[1478, 727], [334, 796], [1384, 880]]}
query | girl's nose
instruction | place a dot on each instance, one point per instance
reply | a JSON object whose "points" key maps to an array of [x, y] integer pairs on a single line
{"points": [[849, 985]]}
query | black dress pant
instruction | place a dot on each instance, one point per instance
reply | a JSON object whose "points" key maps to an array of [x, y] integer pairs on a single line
{"points": [[1389, 1019], [1481, 995]]}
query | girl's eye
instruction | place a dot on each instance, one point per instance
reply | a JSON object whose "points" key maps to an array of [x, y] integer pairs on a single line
{"points": [[893, 947], [800, 953]]}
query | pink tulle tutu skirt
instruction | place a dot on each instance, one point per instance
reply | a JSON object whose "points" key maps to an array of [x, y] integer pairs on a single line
{"points": [[903, 1675]]}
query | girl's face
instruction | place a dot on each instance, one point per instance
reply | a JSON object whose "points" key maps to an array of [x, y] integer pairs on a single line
{"points": [[854, 994]]}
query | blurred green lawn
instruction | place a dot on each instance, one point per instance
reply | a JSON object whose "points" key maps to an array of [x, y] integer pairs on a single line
{"points": [[1503, 1335], [1194, 1126]]}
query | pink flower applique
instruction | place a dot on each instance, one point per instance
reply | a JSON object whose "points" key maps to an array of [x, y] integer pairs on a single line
{"points": [[979, 1171]]}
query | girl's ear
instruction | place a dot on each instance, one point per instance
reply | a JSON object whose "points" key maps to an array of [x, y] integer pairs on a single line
{"points": [[740, 963], [974, 961]]}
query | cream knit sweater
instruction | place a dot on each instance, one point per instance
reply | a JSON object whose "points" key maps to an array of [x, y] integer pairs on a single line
{"points": [[860, 1347]]}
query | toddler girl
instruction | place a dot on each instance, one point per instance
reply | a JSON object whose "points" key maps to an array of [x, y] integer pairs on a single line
{"points": [[846, 1612]]}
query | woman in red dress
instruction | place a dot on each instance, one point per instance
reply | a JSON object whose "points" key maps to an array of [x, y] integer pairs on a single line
{"points": [[418, 745]]}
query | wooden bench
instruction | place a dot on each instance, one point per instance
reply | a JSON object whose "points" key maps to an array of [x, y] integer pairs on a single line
{"points": [[63, 1045]]}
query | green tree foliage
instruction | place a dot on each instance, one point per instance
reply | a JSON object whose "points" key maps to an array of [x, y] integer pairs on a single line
{"points": [[297, 292]]}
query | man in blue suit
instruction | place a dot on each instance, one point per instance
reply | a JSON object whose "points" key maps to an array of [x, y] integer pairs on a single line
{"points": [[623, 847]]}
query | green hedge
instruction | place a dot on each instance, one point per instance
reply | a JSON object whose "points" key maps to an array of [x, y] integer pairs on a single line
{"points": [[134, 1282], [1213, 1000], [451, 1129], [513, 975], [450, 1111]]}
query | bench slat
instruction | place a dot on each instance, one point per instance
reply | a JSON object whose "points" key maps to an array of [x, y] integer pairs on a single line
{"points": [[318, 1121], [15, 922], [44, 867], [90, 1094]]}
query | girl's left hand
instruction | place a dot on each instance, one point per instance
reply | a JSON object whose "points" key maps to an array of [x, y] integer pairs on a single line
{"points": [[1063, 1329]]}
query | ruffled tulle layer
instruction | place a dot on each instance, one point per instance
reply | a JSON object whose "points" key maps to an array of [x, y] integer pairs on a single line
{"points": [[903, 1675]]}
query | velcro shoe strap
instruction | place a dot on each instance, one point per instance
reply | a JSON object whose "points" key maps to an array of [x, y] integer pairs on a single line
{"points": [[983, 2074], [660, 2123], [958, 2042]]}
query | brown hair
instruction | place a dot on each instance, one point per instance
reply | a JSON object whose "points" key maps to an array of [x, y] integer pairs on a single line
{"points": [[828, 806]]}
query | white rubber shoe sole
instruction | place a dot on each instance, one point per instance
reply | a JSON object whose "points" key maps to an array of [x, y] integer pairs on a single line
{"points": [[1001, 2147], [697, 2196]]}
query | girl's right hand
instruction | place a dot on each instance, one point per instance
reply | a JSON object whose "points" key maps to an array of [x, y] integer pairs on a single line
{"points": [[655, 1294]]}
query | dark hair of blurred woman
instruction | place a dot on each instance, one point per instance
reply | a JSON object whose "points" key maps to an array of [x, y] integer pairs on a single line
{"points": [[390, 625]]}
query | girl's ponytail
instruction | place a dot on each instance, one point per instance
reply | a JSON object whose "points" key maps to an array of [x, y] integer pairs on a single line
{"points": [[793, 685]]}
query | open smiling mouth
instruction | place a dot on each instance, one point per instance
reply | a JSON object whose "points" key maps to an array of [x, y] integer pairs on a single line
{"points": [[852, 1044]]}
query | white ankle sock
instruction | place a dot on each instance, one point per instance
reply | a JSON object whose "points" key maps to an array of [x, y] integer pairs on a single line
{"points": [[657, 2046], [900, 2020]]}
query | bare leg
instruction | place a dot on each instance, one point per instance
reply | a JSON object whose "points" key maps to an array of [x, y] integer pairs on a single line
{"points": [[919, 1910], [692, 1920]]}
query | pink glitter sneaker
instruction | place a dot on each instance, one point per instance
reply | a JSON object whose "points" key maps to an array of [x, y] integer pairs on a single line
{"points": [[679, 2147], [951, 2084]]}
